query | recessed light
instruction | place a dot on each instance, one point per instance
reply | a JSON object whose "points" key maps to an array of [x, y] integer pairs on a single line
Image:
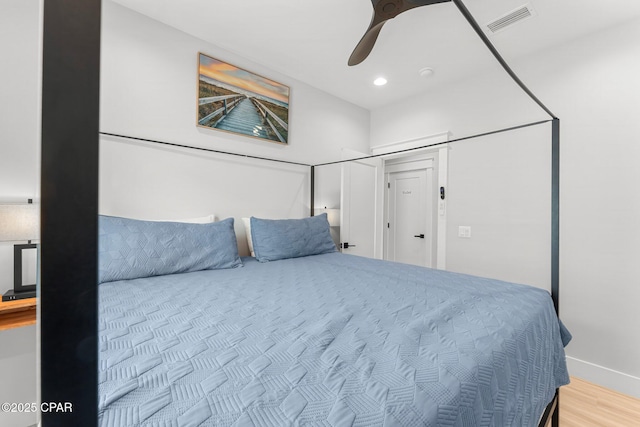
{"points": [[380, 81], [426, 72]]}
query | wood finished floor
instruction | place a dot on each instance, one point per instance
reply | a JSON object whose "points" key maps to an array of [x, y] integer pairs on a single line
{"points": [[583, 404]]}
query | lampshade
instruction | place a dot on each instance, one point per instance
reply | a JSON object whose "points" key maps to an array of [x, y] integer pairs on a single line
{"points": [[19, 222], [333, 216]]}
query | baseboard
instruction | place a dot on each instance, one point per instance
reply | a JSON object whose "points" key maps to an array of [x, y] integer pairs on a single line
{"points": [[618, 381]]}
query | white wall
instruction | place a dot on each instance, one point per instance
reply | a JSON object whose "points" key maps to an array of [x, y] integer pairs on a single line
{"points": [[592, 85], [19, 179], [499, 186], [19, 112], [148, 89], [470, 107]]}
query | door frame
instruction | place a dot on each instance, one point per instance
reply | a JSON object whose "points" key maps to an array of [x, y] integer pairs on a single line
{"points": [[439, 156]]}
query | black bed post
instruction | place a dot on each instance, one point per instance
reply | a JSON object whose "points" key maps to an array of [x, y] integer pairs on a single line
{"points": [[555, 236], [555, 213], [69, 179], [313, 188]]}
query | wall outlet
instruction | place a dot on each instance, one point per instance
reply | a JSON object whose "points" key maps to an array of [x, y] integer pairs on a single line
{"points": [[464, 231]]}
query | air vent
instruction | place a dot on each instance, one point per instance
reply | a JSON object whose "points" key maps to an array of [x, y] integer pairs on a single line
{"points": [[523, 12]]}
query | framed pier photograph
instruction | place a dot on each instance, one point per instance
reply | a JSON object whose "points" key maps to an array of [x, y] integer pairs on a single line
{"points": [[235, 100]]}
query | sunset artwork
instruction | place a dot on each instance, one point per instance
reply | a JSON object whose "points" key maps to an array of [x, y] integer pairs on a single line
{"points": [[238, 101]]}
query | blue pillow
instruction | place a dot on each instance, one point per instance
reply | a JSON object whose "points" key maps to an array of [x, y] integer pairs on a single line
{"points": [[275, 239], [130, 248]]}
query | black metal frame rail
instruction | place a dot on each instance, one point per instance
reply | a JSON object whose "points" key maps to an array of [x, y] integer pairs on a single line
{"points": [[312, 167], [436, 144], [210, 150], [69, 176], [474, 24]]}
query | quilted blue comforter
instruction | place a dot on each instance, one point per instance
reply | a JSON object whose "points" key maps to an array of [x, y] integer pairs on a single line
{"points": [[326, 340]]}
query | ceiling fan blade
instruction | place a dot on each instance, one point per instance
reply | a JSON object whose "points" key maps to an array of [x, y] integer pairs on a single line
{"points": [[364, 47], [425, 2], [383, 10]]}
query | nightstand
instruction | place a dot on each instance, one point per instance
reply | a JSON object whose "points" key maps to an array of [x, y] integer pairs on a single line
{"points": [[14, 314]]}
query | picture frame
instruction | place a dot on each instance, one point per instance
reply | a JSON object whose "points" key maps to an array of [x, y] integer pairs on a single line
{"points": [[232, 99]]}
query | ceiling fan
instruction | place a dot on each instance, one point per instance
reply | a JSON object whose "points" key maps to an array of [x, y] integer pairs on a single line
{"points": [[383, 10]]}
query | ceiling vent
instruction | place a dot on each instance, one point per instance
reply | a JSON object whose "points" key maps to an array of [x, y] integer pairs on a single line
{"points": [[517, 15]]}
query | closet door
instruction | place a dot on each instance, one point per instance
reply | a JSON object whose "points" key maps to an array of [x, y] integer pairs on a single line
{"points": [[410, 213], [361, 207]]}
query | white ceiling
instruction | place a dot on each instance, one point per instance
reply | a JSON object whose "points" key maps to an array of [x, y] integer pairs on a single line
{"points": [[311, 40]]}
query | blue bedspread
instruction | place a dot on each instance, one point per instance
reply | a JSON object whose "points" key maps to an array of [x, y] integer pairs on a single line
{"points": [[326, 340]]}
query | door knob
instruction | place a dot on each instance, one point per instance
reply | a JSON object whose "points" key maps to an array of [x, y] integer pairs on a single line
{"points": [[420, 236]]}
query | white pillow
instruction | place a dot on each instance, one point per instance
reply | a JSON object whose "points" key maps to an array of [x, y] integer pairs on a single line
{"points": [[198, 220], [247, 230]]}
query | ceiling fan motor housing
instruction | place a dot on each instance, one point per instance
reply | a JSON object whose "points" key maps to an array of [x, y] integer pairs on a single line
{"points": [[388, 9]]}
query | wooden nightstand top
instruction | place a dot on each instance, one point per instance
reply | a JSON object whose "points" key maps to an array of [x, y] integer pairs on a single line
{"points": [[14, 314]]}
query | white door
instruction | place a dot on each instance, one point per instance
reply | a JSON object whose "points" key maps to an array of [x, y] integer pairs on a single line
{"points": [[411, 227], [361, 207]]}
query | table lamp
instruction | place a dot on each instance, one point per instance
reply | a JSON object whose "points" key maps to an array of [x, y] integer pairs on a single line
{"points": [[20, 222], [333, 215]]}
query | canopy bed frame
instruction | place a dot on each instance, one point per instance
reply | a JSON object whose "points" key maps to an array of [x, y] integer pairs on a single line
{"points": [[70, 149]]}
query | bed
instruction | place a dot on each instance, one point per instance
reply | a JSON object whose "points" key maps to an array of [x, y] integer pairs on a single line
{"points": [[328, 340], [70, 201]]}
